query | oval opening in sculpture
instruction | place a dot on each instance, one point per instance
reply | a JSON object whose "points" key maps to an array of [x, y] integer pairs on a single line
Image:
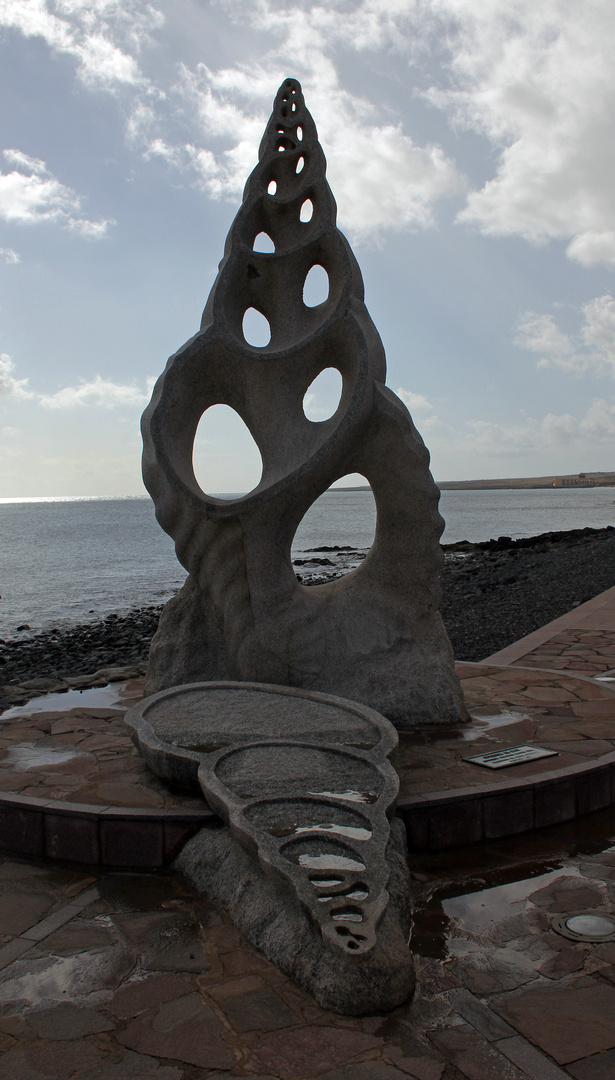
{"points": [[322, 396], [316, 286], [319, 535], [300, 134], [306, 212], [300, 164], [256, 329], [272, 187], [264, 244], [225, 457]]}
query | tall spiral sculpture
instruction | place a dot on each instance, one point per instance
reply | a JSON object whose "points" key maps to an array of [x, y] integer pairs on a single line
{"points": [[375, 635]]}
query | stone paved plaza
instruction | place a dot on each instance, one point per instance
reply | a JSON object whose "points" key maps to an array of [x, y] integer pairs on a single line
{"points": [[109, 975]]}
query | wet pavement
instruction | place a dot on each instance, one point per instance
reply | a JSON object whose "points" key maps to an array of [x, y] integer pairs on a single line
{"points": [[74, 748], [83, 754], [126, 976]]}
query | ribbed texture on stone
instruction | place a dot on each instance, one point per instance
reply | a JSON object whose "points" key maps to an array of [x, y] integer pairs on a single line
{"points": [[376, 635]]}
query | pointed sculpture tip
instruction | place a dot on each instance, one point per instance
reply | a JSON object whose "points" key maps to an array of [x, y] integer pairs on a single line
{"points": [[289, 96]]}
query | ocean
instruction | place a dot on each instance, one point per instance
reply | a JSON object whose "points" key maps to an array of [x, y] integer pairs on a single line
{"points": [[65, 561]]}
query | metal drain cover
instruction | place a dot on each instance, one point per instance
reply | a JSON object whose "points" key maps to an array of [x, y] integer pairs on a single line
{"points": [[585, 926]]}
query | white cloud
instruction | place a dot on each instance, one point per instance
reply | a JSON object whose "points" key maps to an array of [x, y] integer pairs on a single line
{"points": [[538, 81], [105, 37], [591, 349], [420, 408], [9, 385], [551, 433], [24, 161], [10, 257], [97, 392], [37, 196], [414, 402], [380, 176]]}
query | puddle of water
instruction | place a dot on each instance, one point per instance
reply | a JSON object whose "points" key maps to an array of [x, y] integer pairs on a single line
{"points": [[477, 911], [329, 862], [341, 830], [353, 894], [61, 978], [39, 755], [346, 916], [481, 910], [481, 724], [489, 883], [348, 796], [477, 728], [108, 697]]}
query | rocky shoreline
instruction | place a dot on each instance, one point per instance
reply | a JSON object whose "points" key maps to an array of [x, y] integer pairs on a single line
{"points": [[493, 594]]}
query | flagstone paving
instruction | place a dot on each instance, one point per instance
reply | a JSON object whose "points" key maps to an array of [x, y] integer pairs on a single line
{"points": [[85, 756], [127, 976], [137, 976], [588, 652]]}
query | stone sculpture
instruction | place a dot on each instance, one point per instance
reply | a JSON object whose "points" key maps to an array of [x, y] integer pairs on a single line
{"points": [[376, 635], [307, 863]]}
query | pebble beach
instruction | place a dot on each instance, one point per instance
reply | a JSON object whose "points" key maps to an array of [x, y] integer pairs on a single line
{"points": [[493, 593]]}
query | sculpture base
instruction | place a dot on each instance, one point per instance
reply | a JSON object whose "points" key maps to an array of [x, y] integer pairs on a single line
{"points": [[277, 924], [407, 675]]}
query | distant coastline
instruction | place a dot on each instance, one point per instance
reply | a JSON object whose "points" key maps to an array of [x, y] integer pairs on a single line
{"points": [[569, 480]]}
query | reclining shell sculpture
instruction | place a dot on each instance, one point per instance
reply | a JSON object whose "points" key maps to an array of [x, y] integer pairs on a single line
{"points": [[375, 635], [308, 864], [250, 671]]}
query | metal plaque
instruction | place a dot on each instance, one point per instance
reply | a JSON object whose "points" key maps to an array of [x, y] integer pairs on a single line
{"points": [[512, 755]]}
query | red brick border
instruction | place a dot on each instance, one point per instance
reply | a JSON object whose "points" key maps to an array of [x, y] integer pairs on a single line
{"points": [[463, 816], [115, 837], [119, 837]]}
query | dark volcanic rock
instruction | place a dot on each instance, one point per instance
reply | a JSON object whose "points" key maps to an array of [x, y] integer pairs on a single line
{"points": [[116, 641], [493, 593], [497, 592]]}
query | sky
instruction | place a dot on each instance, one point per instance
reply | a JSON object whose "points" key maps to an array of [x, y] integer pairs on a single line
{"points": [[471, 152]]}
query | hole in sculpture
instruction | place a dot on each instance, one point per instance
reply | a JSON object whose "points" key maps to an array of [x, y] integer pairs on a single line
{"points": [[300, 134], [349, 914], [343, 931], [300, 164], [306, 211], [272, 187], [319, 537], [224, 452], [293, 107], [256, 329], [322, 396], [316, 286], [264, 244]]}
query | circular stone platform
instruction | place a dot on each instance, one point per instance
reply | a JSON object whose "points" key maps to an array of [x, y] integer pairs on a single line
{"points": [[72, 785]]}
